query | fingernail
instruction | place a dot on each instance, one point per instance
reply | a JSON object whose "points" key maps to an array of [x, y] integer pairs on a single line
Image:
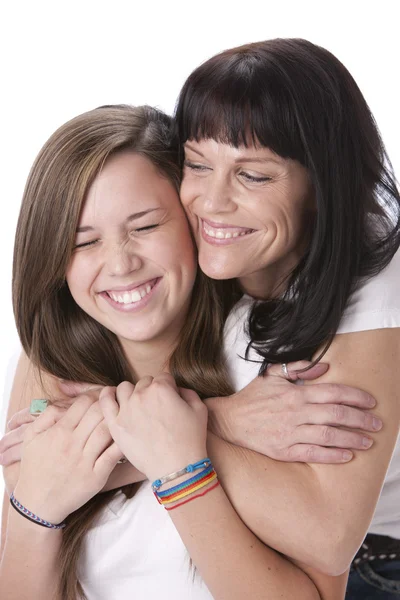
{"points": [[347, 455], [376, 423], [371, 402], [367, 442]]}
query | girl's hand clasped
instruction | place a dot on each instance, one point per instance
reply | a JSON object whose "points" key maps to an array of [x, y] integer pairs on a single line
{"points": [[158, 427]]}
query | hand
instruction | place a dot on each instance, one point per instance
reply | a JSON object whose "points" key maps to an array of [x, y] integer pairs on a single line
{"points": [[65, 461], [159, 428], [11, 442], [295, 423]]}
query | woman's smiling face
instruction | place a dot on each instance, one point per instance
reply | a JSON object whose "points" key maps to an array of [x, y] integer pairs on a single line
{"points": [[134, 264], [250, 211]]}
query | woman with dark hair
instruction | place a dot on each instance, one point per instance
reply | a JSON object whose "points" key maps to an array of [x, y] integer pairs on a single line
{"points": [[289, 190], [104, 293]]}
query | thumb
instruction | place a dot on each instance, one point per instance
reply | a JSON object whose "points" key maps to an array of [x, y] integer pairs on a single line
{"points": [[190, 397], [109, 404]]}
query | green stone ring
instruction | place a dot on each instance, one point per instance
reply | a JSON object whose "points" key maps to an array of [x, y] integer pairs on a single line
{"points": [[37, 406]]}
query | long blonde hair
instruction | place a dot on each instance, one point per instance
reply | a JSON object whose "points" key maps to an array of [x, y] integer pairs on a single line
{"points": [[57, 335]]}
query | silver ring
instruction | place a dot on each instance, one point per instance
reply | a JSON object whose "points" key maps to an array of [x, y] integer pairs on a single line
{"points": [[285, 370]]}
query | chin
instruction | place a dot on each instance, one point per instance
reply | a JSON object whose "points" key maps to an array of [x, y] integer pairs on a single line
{"points": [[219, 272]]}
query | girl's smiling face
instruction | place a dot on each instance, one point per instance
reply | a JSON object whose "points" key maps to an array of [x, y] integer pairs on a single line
{"points": [[134, 264], [250, 210]]}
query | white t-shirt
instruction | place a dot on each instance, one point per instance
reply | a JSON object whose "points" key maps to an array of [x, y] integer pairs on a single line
{"points": [[375, 305]]}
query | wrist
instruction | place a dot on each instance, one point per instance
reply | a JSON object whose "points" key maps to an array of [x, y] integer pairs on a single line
{"points": [[219, 421], [44, 508]]}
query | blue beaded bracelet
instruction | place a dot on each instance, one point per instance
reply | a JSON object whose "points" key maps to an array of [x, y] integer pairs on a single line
{"points": [[201, 464], [31, 516]]}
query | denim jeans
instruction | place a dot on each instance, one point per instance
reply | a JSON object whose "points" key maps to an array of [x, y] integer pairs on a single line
{"points": [[375, 581]]}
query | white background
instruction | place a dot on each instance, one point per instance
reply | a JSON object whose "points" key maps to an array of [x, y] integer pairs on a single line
{"points": [[60, 59]]}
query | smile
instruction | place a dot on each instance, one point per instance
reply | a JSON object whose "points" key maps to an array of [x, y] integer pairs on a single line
{"points": [[219, 233], [131, 299]]}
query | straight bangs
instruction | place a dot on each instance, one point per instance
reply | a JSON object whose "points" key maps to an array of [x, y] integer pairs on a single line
{"points": [[240, 107]]}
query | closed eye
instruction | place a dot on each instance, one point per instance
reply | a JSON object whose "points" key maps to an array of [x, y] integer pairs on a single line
{"points": [[253, 178], [147, 228], [85, 244]]}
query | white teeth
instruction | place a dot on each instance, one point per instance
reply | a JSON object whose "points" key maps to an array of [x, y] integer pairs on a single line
{"points": [[135, 296], [222, 235], [131, 297]]}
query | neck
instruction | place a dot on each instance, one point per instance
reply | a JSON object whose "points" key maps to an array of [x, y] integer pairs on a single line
{"points": [[148, 358], [265, 285]]}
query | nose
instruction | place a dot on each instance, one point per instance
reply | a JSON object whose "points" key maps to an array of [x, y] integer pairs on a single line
{"points": [[219, 195], [122, 259]]}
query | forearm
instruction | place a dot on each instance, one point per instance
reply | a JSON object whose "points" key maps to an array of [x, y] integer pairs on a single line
{"points": [[282, 503], [29, 568], [232, 561]]}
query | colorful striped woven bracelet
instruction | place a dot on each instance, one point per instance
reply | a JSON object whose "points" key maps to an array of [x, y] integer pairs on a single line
{"points": [[193, 497], [31, 516], [186, 483], [186, 490], [189, 490]]}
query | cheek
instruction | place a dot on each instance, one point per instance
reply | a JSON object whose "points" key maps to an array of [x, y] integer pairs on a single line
{"points": [[78, 278]]}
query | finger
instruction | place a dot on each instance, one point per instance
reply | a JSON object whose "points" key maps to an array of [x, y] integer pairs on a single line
{"points": [[109, 405], [339, 414], [191, 398], [98, 441], [20, 418], [299, 370], [124, 392], [332, 393], [11, 456], [47, 419], [89, 422], [325, 435], [143, 383], [168, 379], [108, 460], [317, 454], [74, 415], [13, 437], [75, 388]]}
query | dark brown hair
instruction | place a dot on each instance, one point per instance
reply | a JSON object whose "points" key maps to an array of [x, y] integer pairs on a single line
{"points": [[297, 99], [57, 335]]}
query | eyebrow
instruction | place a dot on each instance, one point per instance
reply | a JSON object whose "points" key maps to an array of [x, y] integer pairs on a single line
{"points": [[129, 219], [242, 158]]}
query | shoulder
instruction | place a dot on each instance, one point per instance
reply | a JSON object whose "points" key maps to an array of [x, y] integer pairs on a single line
{"points": [[376, 302]]}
